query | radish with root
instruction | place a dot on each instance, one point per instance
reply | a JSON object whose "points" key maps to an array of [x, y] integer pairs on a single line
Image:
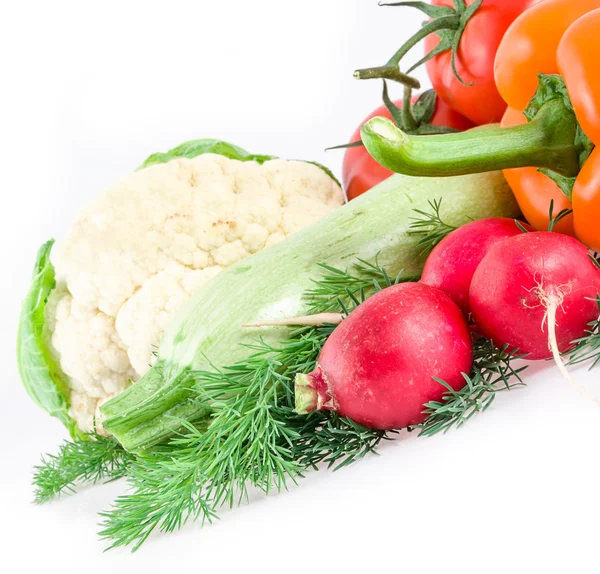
{"points": [[536, 292], [378, 366], [452, 263]]}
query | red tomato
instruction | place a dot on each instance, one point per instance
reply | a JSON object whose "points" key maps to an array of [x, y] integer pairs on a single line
{"points": [[480, 102], [360, 172]]}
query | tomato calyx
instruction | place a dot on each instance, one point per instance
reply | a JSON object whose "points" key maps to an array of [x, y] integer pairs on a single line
{"points": [[447, 23], [411, 118], [415, 118]]}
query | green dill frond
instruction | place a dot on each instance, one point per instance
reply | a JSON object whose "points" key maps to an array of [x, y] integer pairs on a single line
{"points": [[332, 440], [255, 438], [588, 347], [346, 289], [84, 461], [246, 444], [492, 371], [553, 220], [430, 226]]}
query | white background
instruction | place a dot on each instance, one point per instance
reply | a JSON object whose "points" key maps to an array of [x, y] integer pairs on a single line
{"points": [[88, 90]]}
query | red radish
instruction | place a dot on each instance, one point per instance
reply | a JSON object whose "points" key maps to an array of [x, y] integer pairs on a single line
{"points": [[451, 264], [536, 293], [377, 366]]}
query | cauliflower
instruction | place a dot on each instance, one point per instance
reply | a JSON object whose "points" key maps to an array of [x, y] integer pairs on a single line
{"points": [[139, 250]]}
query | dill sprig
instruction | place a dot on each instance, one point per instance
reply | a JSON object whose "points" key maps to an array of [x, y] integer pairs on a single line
{"points": [[554, 220], [327, 438], [492, 371], [588, 347], [344, 290], [83, 461], [255, 438], [430, 226]]}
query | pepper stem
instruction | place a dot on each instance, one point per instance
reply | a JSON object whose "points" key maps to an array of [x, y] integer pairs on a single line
{"points": [[548, 141]]}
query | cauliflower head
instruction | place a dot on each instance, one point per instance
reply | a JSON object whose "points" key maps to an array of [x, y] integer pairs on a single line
{"points": [[140, 249]]}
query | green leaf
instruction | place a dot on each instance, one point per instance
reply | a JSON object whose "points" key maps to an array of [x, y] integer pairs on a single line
{"points": [[325, 169], [424, 107], [41, 375], [391, 107], [345, 146], [195, 148]]}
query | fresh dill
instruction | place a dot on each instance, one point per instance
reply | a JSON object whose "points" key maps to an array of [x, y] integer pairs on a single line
{"points": [[255, 439], [492, 372], [319, 436], [521, 226], [588, 347], [554, 220], [430, 226], [344, 290], [79, 462]]}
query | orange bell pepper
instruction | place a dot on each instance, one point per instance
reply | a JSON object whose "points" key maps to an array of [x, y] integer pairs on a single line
{"points": [[546, 70], [555, 37]]}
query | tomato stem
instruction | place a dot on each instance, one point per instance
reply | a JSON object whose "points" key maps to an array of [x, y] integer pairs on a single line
{"points": [[392, 66], [408, 118], [448, 23], [388, 73], [548, 141]]}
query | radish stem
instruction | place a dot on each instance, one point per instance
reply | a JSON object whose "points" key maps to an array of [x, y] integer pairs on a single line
{"points": [[306, 396]]}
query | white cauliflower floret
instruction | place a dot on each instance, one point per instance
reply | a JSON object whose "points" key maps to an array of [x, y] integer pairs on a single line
{"points": [[91, 352], [144, 316], [139, 250]]}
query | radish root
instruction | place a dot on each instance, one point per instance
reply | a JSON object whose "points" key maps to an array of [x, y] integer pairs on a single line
{"points": [[552, 301], [317, 320]]}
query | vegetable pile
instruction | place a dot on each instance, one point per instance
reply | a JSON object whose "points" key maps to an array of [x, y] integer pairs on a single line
{"points": [[546, 145], [218, 321]]}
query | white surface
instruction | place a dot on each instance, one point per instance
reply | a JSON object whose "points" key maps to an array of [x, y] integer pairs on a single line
{"points": [[88, 91]]}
